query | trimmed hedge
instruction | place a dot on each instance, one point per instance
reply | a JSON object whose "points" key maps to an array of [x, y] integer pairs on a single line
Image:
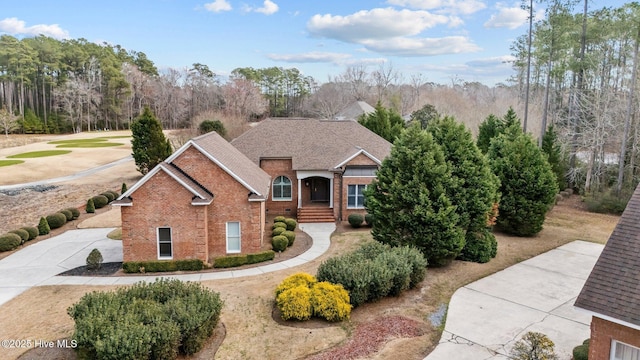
{"points": [[355, 220], [279, 243], [43, 227], [278, 231], [68, 214], [32, 230], [145, 321], [100, 201], [109, 195], [163, 265], [291, 237], [56, 220], [9, 242], [91, 207], [239, 260], [24, 235], [279, 219], [94, 260], [260, 257], [75, 212], [291, 224], [374, 271], [279, 224]]}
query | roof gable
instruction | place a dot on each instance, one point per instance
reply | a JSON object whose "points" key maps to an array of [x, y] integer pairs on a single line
{"points": [[354, 110], [311, 144], [613, 287]]}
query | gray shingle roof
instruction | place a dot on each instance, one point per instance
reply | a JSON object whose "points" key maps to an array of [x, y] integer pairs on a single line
{"points": [[311, 144], [613, 287], [354, 110]]}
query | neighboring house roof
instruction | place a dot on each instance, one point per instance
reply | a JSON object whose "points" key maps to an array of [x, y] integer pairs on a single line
{"points": [[613, 287], [354, 110], [311, 144]]}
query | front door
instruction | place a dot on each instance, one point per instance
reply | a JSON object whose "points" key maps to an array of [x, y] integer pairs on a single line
{"points": [[319, 189]]}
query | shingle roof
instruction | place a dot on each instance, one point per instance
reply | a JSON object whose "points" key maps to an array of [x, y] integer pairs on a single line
{"points": [[613, 287], [311, 144], [234, 162], [354, 110]]}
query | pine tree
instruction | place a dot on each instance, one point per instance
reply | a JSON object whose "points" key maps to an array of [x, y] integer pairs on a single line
{"points": [[410, 202], [476, 189], [386, 123], [150, 147], [528, 185], [493, 126], [551, 147], [43, 227]]}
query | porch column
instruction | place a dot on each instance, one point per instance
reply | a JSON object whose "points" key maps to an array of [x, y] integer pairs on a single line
{"points": [[331, 192], [299, 193]]}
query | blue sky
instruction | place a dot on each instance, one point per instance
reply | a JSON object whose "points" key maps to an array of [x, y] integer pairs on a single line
{"points": [[442, 40]]}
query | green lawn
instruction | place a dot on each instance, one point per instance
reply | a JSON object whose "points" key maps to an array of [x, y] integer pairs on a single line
{"points": [[115, 137], [88, 145], [37, 154], [10, 162], [78, 141]]}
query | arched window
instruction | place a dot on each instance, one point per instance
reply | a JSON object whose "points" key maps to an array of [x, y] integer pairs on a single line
{"points": [[282, 188]]}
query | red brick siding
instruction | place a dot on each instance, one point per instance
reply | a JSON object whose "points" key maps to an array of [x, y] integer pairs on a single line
{"points": [[162, 202], [603, 332], [346, 181], [275, 168]]}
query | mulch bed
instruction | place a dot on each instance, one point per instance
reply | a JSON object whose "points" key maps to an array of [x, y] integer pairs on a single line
{"points": [[105, 269]]}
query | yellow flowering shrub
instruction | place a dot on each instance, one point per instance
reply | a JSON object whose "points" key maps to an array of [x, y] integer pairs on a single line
{"points": [[295, 303], [295, 280], [330, 301]]}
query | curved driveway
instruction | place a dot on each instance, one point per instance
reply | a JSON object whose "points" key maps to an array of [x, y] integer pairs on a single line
{"points": [[40, 263]]}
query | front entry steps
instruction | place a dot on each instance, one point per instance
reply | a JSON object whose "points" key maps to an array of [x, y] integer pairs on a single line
{"points": [[315, 215]]}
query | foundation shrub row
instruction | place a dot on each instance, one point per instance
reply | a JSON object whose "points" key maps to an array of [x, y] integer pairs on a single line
{"points": [[162, 266], [243, 259], [282, 233]]}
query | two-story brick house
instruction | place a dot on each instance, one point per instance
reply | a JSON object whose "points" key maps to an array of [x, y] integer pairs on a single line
{"points": [[212, 197]]}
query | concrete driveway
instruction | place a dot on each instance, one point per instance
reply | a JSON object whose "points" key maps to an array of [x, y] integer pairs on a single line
{"points": [[487, 317]]}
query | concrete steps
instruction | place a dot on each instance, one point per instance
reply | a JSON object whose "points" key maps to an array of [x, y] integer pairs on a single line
{"points": [[315, 215]]}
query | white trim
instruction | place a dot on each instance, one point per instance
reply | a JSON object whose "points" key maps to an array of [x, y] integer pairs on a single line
{"points": [[151, 173], [356, 196], [303, 174], [158, 242], [273, 184], [609, 318], [239, 237], [331, 193], [120, 204], [299, 193], [361, 151], [372, 177]]}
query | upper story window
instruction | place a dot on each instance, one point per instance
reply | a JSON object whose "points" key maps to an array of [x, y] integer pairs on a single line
{"points": [[281, 188]]}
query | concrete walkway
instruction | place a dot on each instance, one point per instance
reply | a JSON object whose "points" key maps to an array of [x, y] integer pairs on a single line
{"points": [[487, 317], [40, 263]]}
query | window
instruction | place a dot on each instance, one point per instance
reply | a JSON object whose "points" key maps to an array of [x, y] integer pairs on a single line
{"points": [[355, 198], [360, 171], [621, 351], [233, 237], [282, 188], [165, 245]]}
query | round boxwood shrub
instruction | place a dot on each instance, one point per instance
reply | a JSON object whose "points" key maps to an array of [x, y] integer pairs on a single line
{"points": [[108, 195], [279, 243], [56, 220], [94, 260], [279, 219], [279, 224], [75, 212], [291, 236], [9, 241], [295, 303], [68, 214], [368, 218], [43, 227], [32, 230], [100, 201], [91, 207], [278, 231], [291, 224], [24, 235], [330, 301], [355, 220]]}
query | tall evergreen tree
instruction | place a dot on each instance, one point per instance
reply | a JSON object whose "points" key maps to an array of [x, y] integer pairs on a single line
{"points": [[476, 189], [150, 147], [528, 185], [493, 126], [386, 123], [410, 202], [551, 147]]}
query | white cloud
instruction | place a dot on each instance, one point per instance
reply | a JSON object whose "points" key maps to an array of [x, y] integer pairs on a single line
{"points": [[218, 6], [508, 17], [268, 8], [422, 46], [373, 24], [465, 7], [310, 57], [492, 61], [14, 26]]}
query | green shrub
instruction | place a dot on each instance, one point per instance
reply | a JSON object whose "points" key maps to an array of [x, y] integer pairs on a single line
{"points": [[94, 260], [24, 234], [279, 243], [43, 227], [9, 242], [123, 188], [75, 212], [481, 246], [278, 231], [91, 207], [291, 224], [100, 201], [368, 218], [355, 220], [33, 232], [261, 257], [295, 280], [279, 219], [291, 237], [416, 260], [607, 203], [279, 224], [581, 352], [109, 196], [56, 220], [163, 265], [295, 303], [330, 301], [230, 261], [145, 321], [67, 214]]}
